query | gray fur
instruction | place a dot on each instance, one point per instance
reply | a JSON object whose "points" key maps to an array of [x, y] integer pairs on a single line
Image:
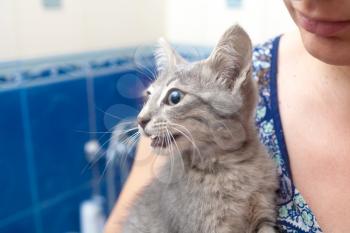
{"points": [[219, 178]]}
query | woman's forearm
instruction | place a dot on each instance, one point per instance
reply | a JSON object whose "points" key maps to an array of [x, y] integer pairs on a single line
{"points": [[144, 169]]}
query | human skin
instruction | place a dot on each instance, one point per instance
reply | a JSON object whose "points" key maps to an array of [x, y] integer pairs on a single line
{"points": [[325, 15], [145, 168], [314, 103], [314, 99]]}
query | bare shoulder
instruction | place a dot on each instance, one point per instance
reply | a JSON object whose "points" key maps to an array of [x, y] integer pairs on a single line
{"points": [[316, 132], [290, 49]]}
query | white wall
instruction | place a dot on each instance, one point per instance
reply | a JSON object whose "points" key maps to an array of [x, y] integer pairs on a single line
{"points": [[8, 36], [203, 21], [29, 30], [118, 23]]}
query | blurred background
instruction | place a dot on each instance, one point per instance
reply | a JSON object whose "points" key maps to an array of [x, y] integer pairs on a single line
{"points": [[71, 74]]}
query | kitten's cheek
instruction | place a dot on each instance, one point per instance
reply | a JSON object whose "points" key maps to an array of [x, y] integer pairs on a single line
{"points": [[228, 138], [180, 144]]}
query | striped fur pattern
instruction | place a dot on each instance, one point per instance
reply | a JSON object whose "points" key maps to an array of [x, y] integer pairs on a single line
{"points": [[219, 177]]}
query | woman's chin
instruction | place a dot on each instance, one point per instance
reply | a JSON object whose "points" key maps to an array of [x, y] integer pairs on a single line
{"points": [[330, 50]]}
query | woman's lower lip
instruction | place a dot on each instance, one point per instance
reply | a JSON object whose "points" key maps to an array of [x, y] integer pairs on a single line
{"points": [[321, 28]]}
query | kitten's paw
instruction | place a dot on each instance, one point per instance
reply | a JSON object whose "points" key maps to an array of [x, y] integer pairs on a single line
{"points": [[267, 229]]}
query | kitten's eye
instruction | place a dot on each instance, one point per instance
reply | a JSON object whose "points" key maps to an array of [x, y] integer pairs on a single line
{"points": [[174, 97]]}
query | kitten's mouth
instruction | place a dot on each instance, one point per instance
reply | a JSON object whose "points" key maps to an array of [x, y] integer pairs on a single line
{"points": [[160, 141]]}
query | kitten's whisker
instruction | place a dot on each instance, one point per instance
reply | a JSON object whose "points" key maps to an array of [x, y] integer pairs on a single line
{"points": [[156, 156], [136, 135], [179, 153], [140, 68], [124, 138], [152, 74], [108, 163], [121, 158], [109, 114], [116, 117], [162, 138], [90, 164], [191, 140], [117, 133], [129, 142], [128, 137], [124, 156], [194, 147], [171, 156], [158, 134], [99, 152], [100, 155], [149, 75]]}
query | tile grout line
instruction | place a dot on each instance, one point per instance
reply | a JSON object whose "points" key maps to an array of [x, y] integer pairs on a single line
{"points": [[16, 217], [64, 196], [30, 160], [44, 205]]}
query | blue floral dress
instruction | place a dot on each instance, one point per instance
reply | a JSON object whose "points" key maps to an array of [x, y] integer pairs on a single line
{"points": [[294, 215]]}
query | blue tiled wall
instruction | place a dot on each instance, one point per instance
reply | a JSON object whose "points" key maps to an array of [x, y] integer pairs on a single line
{"points": [[45, 120], [14, 178], [41, 155]]}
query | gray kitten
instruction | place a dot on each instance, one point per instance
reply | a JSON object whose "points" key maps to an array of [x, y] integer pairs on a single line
{"points": [[219, 178]]}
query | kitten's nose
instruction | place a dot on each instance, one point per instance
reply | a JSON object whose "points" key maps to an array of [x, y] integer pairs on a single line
{"points": [[143, 121]]}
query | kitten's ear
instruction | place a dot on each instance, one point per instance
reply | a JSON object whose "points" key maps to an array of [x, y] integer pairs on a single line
{"points": [[231, 59], [166, 56]]}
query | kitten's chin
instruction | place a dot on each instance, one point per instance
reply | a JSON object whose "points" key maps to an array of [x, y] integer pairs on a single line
{"points": [[167, 146]]}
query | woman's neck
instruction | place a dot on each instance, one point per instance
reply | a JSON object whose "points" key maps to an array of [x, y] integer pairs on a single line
{"points": [[331, 83], [327, 84], [310, 87]]}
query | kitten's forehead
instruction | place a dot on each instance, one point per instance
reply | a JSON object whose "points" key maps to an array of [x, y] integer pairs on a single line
{"points": [[160, 84], [165, 79], [184, 75]]}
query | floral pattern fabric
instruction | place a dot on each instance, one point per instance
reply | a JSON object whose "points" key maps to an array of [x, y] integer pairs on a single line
{"points": [[294, 215]]}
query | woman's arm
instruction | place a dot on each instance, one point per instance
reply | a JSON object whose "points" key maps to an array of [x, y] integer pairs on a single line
{"points": [[144, 168]]}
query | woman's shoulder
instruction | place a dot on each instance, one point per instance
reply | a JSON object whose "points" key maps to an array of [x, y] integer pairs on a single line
{"points": [[294, 215]]}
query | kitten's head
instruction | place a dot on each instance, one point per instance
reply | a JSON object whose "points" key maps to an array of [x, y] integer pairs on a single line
{"points": [[205, 105]]}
